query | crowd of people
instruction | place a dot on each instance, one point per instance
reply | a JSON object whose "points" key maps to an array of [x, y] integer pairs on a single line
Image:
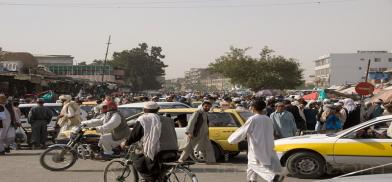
{"points": [[276, 117]]}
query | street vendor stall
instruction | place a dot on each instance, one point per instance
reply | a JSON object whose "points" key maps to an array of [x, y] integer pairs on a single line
{"points": [[385, 95]]}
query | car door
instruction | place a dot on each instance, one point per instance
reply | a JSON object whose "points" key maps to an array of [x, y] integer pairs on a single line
{"points": [[368, 145], [180, 122], [221, 126]]}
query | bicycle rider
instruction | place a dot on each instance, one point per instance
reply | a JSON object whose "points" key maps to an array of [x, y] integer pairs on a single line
{"points": [[158, 137]]}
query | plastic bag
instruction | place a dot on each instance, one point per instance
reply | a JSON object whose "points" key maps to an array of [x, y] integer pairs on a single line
{"points": [[20, 135]]}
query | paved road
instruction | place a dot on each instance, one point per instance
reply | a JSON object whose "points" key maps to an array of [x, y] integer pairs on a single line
{"points": [[23, 165]]}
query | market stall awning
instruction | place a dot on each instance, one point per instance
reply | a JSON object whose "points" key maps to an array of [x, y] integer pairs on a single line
{"points": [[386, 96], [311, 96]]}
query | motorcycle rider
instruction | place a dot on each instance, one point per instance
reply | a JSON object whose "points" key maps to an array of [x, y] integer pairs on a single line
{"points": [[158, 137], [112, 127]]}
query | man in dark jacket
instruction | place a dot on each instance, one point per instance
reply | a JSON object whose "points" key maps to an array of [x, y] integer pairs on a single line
{"points": [[159, 142], [299, 121], [39, 117]]}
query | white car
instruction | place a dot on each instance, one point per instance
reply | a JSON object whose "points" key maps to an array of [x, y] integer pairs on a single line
{"points": [[128, 110], [310, 156], [54, 107]]}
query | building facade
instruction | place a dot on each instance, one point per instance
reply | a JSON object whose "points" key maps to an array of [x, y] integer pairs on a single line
{"points": [[53, 60], [349, 68], [88, 72], [202, 79]]}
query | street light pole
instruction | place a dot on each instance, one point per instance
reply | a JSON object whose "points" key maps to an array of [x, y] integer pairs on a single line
{"points": [[106, 56]]}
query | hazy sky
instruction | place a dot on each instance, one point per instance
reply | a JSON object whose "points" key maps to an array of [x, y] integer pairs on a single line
{"points": [[193, 33]]}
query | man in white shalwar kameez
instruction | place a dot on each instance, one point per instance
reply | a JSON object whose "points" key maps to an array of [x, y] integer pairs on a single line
{"points": [[259, 132], [7, 126]]}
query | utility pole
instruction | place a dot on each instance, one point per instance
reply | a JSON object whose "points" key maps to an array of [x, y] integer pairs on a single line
{"points": [[367, 71], [106, 56]]}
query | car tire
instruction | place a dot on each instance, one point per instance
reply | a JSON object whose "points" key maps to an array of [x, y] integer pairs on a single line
{"points": [[199, 157], [233, 154], [306, 165], [218, 152]]}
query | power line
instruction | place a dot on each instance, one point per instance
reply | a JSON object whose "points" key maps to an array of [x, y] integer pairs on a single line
{"points": [[126, 6]]}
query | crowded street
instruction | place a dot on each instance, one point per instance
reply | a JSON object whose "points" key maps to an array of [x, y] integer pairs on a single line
{"points": [[195, 91], [93, 170]]}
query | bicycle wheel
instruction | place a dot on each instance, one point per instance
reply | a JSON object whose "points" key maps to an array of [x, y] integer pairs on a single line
{"points": [[118, 171], [181, 174]]}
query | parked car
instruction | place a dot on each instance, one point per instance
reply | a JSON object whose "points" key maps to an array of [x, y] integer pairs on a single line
{"points": [[54, 107], [357, 176], [373, 177], [128, 110], [196, 104], [52, 129], [309, 156], [88, 107], [222, 123]]}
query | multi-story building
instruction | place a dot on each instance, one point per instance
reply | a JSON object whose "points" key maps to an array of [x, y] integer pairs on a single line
{"points": [[89, 72], [20, 62], [217, 83], [54, 60], [194, 75], [203, 80], [349, 68], [176, 84]]}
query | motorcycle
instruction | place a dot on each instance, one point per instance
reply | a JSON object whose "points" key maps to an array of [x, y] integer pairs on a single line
{"points": [[81, 145]]}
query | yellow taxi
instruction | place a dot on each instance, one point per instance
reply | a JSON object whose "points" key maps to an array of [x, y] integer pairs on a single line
{"points": [[196, 104], [222, 123], [363, 145], [88, 105]]}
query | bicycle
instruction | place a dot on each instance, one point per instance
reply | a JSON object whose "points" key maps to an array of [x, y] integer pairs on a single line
{"points": [[123, 171]]}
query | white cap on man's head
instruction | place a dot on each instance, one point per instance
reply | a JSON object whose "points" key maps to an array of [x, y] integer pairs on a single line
{"points": [[151, 105], [237, 99], [338, 104]]}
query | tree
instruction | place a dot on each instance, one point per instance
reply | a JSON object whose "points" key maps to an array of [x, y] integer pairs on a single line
{"points": [[82, 63], [267, 72], [143, 66], [97, 62]]}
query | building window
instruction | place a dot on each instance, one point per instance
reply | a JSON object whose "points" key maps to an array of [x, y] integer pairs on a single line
{"points": [[377, 60], [390, 60], [360, 68]]}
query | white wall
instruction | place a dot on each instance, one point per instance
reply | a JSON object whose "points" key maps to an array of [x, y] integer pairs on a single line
{"points": [[349, 68], [96, 78], [12, 65], [52, 60]]}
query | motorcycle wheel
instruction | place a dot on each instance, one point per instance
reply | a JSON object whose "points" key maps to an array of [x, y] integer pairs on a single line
{"points": [[58, 158]]}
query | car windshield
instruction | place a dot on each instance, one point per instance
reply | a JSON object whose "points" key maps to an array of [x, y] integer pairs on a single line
{"points": [[86, 108], [345, 130], [221, 120], [245, 115], [129, 111], [195, 104]]}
